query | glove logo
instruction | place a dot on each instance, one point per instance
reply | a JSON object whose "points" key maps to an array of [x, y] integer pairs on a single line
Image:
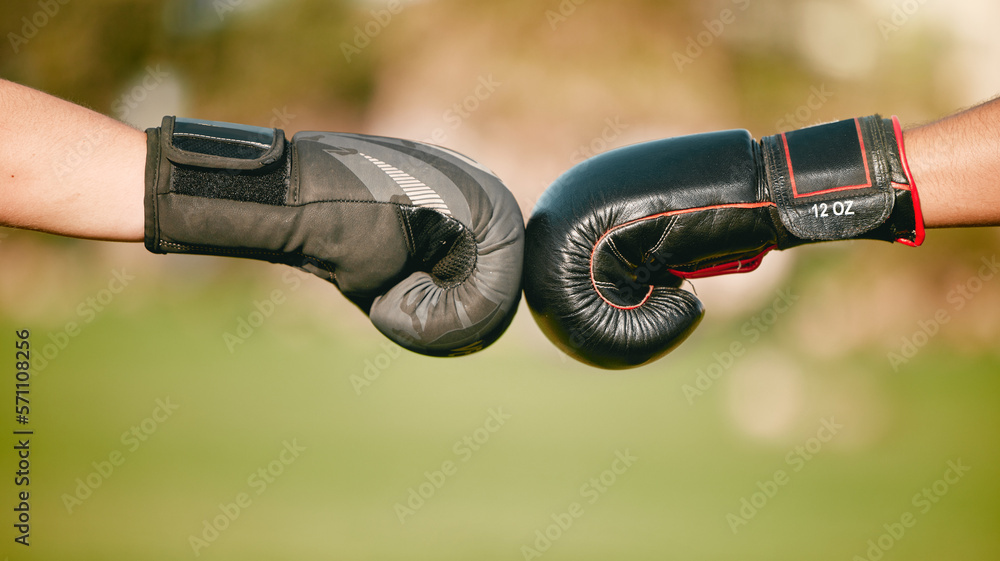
{"points": [[338, 151], [419, 193]]}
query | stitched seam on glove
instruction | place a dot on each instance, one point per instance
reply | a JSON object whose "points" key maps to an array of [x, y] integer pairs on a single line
{"points": [[214, 250], [294, 187], [360, 201], [151, 196], [614, 249], [405, 225], [225, 250], [323, 265], [663, 238], [672, 213]]}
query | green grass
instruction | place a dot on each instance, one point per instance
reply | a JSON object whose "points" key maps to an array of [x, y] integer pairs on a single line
{"points": [[292, 381]]}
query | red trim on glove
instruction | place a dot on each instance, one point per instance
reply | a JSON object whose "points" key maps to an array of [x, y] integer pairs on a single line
{"points": [[918, 215], [864, 157], [745, 265], [741, 266]]}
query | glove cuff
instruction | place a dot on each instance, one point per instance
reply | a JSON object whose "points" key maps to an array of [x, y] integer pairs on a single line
{"points": [[843, 180], [200, 174], [915, 236]]}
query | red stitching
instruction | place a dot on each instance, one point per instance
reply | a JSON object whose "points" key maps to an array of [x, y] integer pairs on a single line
{"points": [[593, 250]]}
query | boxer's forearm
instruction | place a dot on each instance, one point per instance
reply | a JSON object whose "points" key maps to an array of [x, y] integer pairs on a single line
{"points": [[956, 166], [67, 170], [71, 171]]}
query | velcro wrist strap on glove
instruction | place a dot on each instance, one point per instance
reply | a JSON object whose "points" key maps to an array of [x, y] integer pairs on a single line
{"points": [[843, 180], [197, 171]]}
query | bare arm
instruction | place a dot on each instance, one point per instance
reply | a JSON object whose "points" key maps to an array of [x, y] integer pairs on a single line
{"points": [[956, 166], [67, 170]]}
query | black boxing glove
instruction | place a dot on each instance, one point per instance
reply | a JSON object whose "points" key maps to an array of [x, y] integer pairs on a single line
{"points": [[610, 242], [425, 241]]}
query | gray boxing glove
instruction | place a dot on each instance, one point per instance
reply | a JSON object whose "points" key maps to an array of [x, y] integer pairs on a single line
{"points": [[425, 241]]}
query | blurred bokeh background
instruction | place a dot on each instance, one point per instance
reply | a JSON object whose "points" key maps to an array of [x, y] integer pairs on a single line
{"points": [[222, 409]]}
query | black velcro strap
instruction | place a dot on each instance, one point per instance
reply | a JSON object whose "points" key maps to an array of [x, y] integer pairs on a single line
{"points": [[826, 159], [267, 186], [832, 181], [226, 161]]}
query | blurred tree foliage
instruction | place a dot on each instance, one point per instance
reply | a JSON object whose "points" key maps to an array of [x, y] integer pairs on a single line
{"points": [[292, 52], [281, 50], [566, 67]]}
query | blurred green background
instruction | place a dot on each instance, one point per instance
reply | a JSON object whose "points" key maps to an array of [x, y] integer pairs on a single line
{"points": [[313, 438]]}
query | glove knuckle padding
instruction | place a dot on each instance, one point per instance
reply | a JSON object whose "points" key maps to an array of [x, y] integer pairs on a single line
{"points": [[462, 233], [427, 242]]}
